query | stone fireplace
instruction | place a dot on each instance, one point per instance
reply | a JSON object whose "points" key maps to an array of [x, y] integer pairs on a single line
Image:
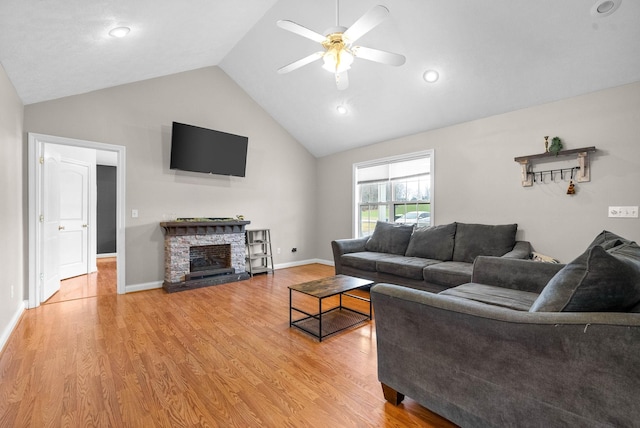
{"points": [[200, 253]]}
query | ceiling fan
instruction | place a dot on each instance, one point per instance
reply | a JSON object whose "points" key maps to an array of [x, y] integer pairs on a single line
{"points": [[339, 52]]}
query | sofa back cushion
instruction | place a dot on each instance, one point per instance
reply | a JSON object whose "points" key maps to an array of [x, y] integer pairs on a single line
{"points": [[435, 242], [473, 240], [390, 238], [599, 280]]}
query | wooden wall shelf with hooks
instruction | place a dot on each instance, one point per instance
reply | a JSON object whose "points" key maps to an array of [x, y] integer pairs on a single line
{"points": [[583, 164]]}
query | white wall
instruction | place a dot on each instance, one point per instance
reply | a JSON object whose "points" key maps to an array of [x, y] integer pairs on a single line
{"points": [[478, 181], [277, 193], [12, 283]]}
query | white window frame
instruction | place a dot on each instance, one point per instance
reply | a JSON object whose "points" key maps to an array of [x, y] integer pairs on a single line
{"points": [[392, 159]]}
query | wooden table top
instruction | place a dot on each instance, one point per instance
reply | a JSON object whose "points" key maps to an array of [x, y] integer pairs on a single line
{"points": [[330, 286]]}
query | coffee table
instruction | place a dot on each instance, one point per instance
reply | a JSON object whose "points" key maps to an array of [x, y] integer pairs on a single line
{"points": [[330, 321]]}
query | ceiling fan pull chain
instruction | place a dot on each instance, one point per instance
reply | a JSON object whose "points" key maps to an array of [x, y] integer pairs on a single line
{"points": [[337, 13]]}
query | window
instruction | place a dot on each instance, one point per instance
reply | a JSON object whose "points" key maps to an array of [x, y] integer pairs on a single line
{"points": [[395, 189]]}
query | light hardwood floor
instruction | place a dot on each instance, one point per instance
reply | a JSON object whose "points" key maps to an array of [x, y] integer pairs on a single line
{"points": [[217, 356], [100, 283]]}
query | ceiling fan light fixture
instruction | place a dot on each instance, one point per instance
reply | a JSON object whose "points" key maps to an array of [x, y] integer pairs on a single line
{"points": [[342, 110], [337, 61], [431, 76]]}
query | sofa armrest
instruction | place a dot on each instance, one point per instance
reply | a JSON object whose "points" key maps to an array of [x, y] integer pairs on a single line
{"points": [[517, 274], [522, 250], [345, 246]]}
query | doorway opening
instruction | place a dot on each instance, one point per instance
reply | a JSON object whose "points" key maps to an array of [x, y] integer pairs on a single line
{"points": [[63, 226]]}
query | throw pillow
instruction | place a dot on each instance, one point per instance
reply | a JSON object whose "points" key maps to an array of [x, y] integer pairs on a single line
{"points": [[435, 242], [390, 238], [596, 281], [608, 240], [473, 240]]}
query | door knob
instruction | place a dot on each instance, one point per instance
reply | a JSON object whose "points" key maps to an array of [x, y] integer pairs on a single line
{"points": [[60, 227], [84, 225]]}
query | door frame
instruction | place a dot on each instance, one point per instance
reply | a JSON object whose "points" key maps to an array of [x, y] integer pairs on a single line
{"points": [[35, 153]]}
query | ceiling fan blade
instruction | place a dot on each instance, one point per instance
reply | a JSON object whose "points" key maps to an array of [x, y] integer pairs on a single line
{"points": [[301, 62], [342, 80], [368, 21], [300, 30], [377, 55]]}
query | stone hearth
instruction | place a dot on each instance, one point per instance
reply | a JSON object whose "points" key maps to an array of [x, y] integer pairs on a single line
{"points": [[181, 236]]}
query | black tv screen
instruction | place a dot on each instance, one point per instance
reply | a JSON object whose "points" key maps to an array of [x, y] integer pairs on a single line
{"points": [[205, 150]]}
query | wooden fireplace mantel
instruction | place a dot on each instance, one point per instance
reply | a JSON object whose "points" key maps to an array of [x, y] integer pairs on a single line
{"points": [[204, 227]]}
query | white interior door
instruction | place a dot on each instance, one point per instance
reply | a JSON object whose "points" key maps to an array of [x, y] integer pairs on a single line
{"points": [[74, 209], [51, 222]]}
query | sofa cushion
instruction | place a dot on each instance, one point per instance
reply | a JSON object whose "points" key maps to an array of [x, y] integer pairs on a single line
{"points": [[474, 240], [435, 242], [448, 273], [365, 260], [596, 281], [390, 238], [494, 295], [406, 267]]}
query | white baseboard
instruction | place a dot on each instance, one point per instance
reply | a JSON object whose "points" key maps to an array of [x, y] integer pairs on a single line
{"points": [[6, 333], [106, 255], [142, 287], [302, 263]]}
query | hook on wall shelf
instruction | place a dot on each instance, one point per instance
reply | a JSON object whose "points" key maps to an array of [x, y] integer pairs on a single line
{"points": [[580, 172]]}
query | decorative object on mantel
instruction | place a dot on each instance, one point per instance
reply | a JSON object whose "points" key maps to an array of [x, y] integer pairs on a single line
{"points": [[546, 144], [571, 190], [556, 145], [579, 174]]}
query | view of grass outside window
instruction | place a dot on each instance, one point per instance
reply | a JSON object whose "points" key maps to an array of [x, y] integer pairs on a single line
{"points": [[395, 190]]}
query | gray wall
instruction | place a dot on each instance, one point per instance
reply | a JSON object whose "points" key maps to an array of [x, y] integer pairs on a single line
{"points": [[12, 200], [477, 180], [277, 193]]}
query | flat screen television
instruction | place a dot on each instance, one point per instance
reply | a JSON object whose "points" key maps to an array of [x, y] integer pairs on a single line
{"points": [[205, 150]]}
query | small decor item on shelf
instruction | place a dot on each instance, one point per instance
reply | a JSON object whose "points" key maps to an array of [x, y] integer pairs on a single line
{"points": [[556, 145], [572, 188], [546, 144], [240, 217]]}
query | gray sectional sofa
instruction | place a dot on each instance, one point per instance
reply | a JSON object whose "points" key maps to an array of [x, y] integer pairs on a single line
{"points": [[524, 344], [429, 258]]}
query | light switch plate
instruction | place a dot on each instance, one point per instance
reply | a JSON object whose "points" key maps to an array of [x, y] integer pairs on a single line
{"points": [[626, 212]]}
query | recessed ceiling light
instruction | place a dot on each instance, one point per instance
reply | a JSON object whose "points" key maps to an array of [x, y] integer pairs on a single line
{"points": [[119, 31], [431, 76], [342, 109], [604, 8]]}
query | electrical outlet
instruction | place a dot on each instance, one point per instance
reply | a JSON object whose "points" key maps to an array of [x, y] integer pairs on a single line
{"points": [[134, 213], [278, 250], [626, 212]]}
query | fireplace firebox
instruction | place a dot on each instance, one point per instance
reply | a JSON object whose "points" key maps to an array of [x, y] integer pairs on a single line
{"points": [[209, 260]]}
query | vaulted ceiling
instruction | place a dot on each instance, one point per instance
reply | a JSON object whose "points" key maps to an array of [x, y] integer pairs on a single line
{"points": [[492, 56]]}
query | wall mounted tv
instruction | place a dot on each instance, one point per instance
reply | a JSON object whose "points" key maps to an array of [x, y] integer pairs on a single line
{"points": [[205, 150]]}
